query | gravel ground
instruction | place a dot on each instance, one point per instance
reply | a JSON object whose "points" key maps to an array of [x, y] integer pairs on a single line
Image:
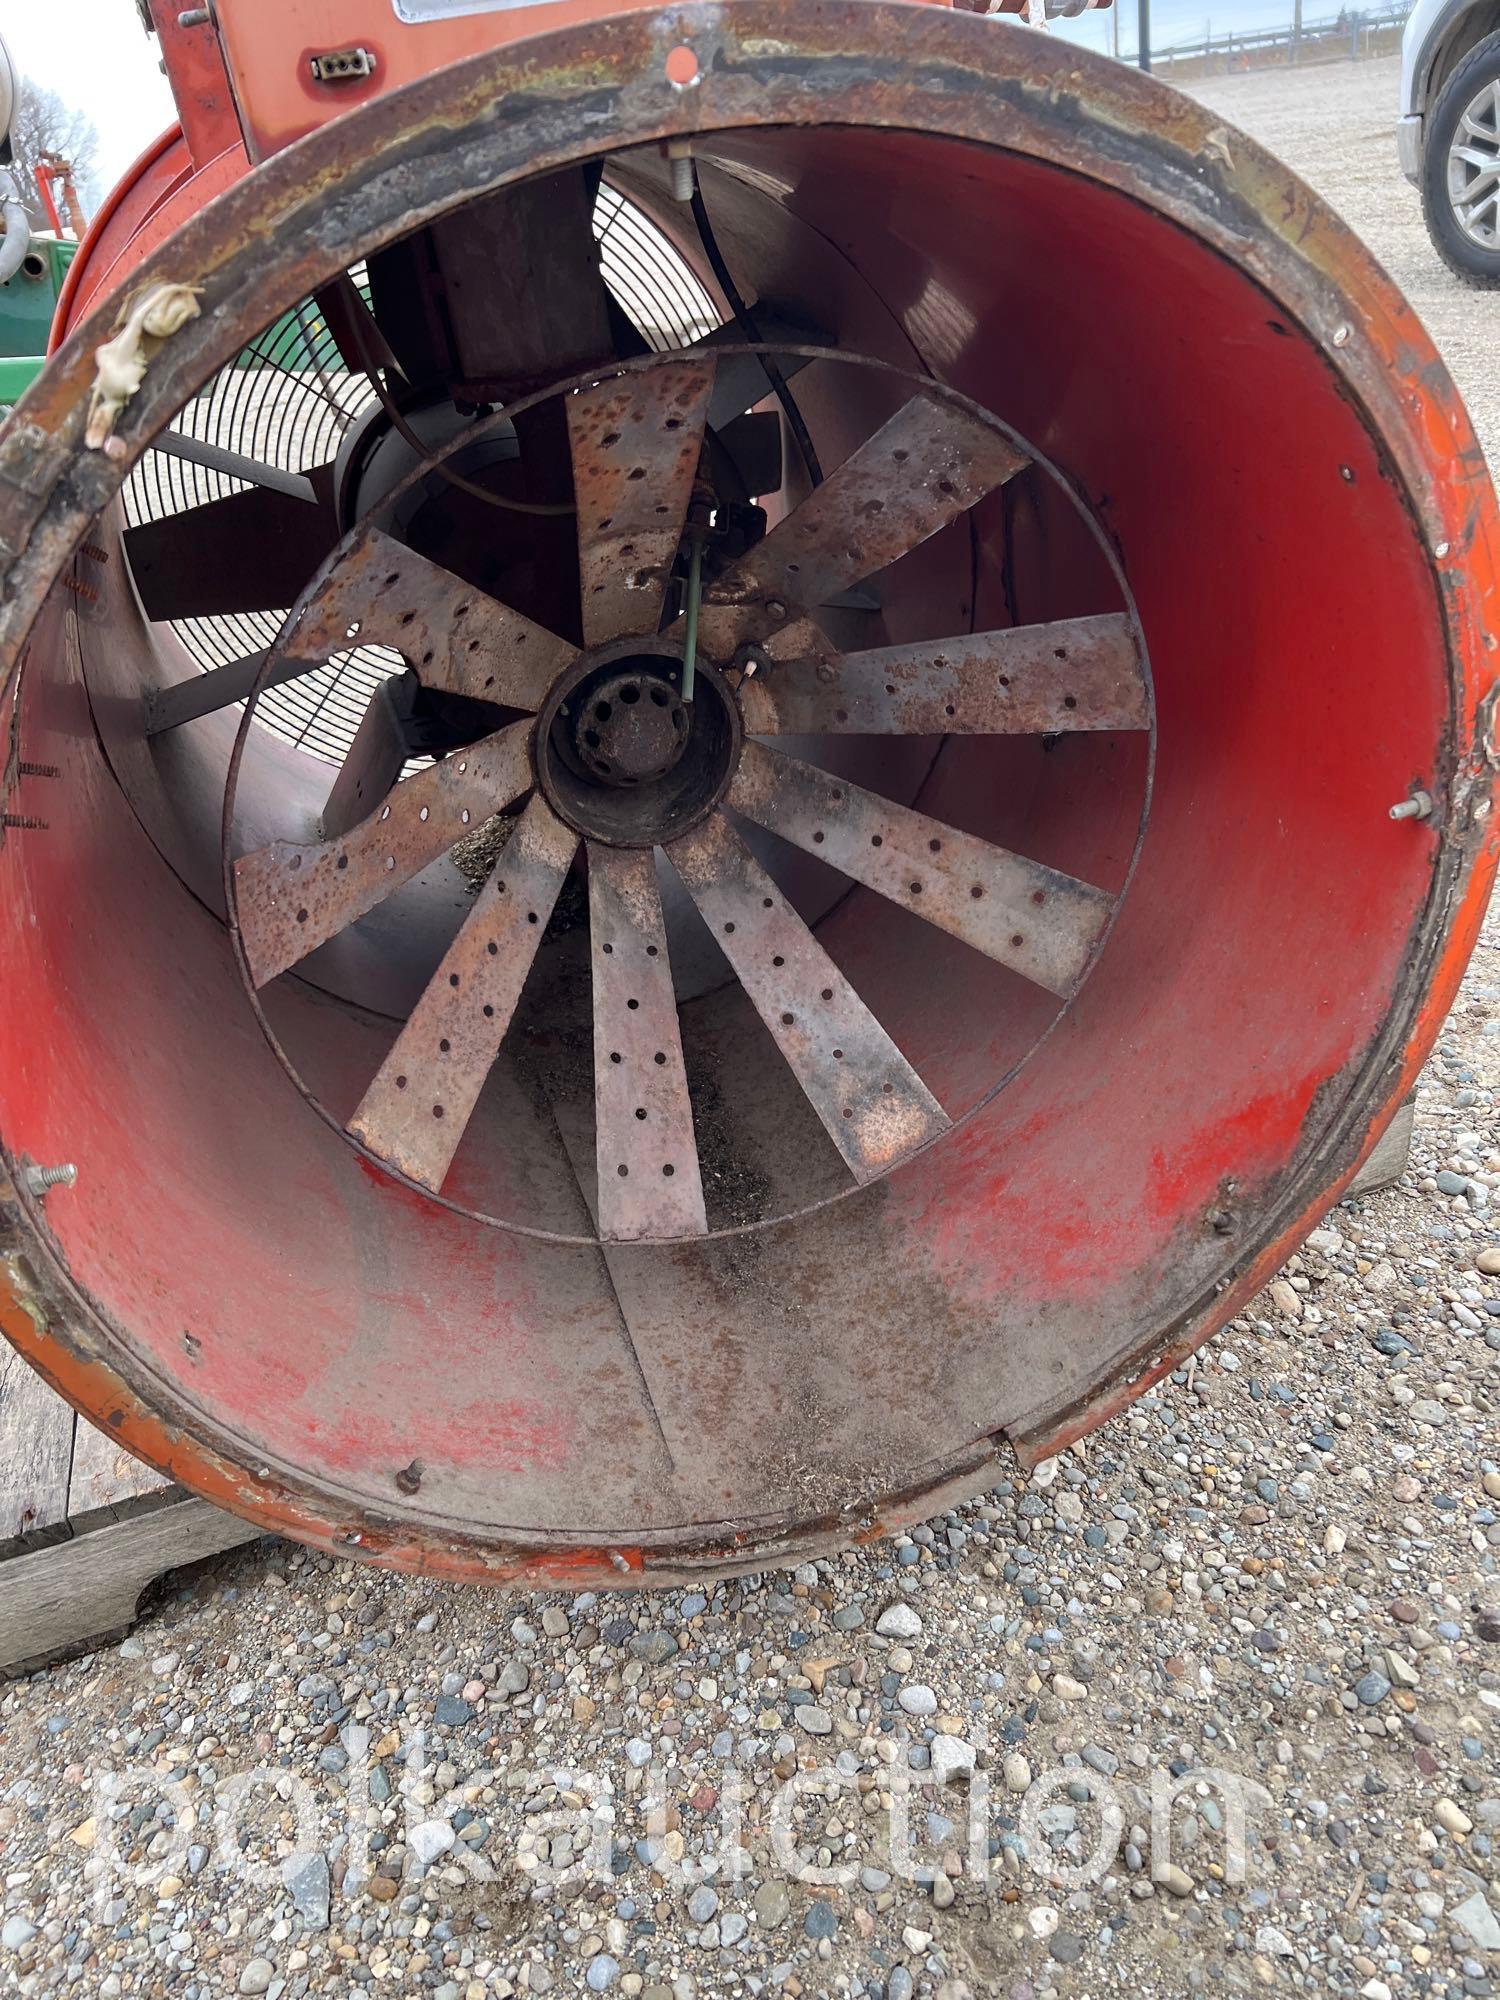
{"points": [[1336, 127], [1272, 1581]]}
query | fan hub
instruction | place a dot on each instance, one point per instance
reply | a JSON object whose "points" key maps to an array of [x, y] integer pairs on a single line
{"points": [[633, 726], [622, 758]]}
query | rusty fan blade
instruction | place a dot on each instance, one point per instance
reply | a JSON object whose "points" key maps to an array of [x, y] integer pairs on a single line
{"points": [[251, 551], [291, 897], [221, 687], [1079, 673], [1042, 923], [416, 1111], [649, 1179], [254, 471], [874, 1106], [635, 442], [924, 467], [381, 593]]}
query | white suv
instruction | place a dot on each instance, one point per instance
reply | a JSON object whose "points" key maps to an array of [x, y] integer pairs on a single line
{"points": [[1449, 130]]}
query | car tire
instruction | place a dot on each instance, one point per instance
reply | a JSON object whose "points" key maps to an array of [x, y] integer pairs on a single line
{"points": [[1473, 262]]}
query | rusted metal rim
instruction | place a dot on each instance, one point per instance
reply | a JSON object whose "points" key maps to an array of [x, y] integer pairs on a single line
{"points": [[502, 118], [626, 370]]}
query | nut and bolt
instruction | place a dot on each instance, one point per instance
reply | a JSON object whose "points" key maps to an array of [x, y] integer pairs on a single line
{"points": [[40, 1181], [195, 17], [1418, 806], [684, 175]]}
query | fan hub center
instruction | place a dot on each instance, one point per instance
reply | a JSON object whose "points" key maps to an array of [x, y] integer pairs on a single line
{"points": [[622, 757], [633, 725]]}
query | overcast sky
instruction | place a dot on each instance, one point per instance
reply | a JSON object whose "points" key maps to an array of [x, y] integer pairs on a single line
{"points": [[96, 55]]}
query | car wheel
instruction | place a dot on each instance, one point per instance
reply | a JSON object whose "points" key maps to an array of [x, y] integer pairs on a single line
{"points": [[1461, 167]]}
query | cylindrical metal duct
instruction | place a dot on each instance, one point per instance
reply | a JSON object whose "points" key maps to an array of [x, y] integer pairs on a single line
{"points": [[1006, 943], [7, 94], [17, 238]]}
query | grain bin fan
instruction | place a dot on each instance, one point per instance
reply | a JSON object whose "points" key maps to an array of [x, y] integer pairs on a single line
{"points": [[758, 740]]}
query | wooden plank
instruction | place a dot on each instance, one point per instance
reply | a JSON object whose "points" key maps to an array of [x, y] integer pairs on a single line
{"points": [[36, 1451], [72, 1597], [105, 1475], [1387, 1163]]}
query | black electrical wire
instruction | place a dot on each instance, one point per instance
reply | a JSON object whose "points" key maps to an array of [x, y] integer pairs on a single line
{"points": [[749, 330], [415, 445]]}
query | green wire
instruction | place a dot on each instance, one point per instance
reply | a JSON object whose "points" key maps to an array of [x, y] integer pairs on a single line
{"points": [[690, 637]]}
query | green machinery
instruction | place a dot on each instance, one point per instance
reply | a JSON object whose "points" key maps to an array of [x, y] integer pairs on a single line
{"points": [[28, 302]]}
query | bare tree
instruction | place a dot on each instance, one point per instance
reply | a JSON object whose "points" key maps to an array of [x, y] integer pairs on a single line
{"points": [[44, 124]]}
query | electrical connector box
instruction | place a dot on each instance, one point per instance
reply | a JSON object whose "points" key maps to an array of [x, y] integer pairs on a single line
{"points": [[343, 66]]}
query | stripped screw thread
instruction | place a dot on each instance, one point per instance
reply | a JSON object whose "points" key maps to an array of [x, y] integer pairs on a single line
{"points": [[41, 1180]]}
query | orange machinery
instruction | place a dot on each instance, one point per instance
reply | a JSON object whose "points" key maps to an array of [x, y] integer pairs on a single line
{"points": [[747, 744]]}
